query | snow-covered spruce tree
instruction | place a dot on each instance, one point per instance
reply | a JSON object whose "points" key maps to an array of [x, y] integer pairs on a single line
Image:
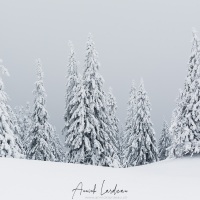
{"points": [[72, 79], [144, 143], [10, 144], [41, 142], [114, 123], [74, 117], [100, 141], [24, 121], [76, 141], [164, 142], [129, 126], [186, 127], [176, 124]]}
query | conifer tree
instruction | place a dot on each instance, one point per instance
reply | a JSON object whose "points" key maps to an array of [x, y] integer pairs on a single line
{"points": [[164, 142], [176, 124], [186, 129], [129, 126], [72, 79], [41, 143], [132, 104], [144, 148], [76, 141], [10, 144], [99, 138], [114, 124]]}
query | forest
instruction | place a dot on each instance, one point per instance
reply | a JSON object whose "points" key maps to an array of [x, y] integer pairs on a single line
{"points": [[91, 128]]}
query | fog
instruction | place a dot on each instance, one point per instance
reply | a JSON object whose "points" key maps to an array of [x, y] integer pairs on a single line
{"points": [[134, 39]]}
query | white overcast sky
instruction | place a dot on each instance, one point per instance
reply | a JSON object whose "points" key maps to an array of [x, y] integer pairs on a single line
{"points": [[137, 38]]}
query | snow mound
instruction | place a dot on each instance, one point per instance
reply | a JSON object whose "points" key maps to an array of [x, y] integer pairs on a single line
{"points": [[30, 180]]}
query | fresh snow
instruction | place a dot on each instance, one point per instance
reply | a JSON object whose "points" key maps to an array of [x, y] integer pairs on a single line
{"points": [[27, 179], [185, 127]]}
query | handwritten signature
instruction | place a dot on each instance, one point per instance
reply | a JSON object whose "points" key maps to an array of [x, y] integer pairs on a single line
{"points": [[103, 191]]}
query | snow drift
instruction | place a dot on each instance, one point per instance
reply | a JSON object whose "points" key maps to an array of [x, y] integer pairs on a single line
{"points": [[37, 180]]}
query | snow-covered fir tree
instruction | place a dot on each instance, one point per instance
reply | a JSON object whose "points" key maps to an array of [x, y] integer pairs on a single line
{"points": [[24, 121], [186, 127], [75, 114], [100, 141], [176, 124], [10, 144], [76, 141], [72, 79], [129, 126], [114, 123], [41, 142], [143, 147], [164, 142]]}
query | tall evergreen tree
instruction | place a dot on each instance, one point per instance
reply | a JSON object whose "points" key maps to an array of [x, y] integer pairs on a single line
{"points": [[129, 126], [132, 105], [176, 124], [164, 142], [72, 81], [114, 124], [99, 138], [10, 144], [144, 143], [186, 128], [41, 141], [76, 141]]}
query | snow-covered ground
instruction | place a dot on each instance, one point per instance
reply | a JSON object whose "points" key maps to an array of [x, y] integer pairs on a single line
{"points": [[27, 180]]}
